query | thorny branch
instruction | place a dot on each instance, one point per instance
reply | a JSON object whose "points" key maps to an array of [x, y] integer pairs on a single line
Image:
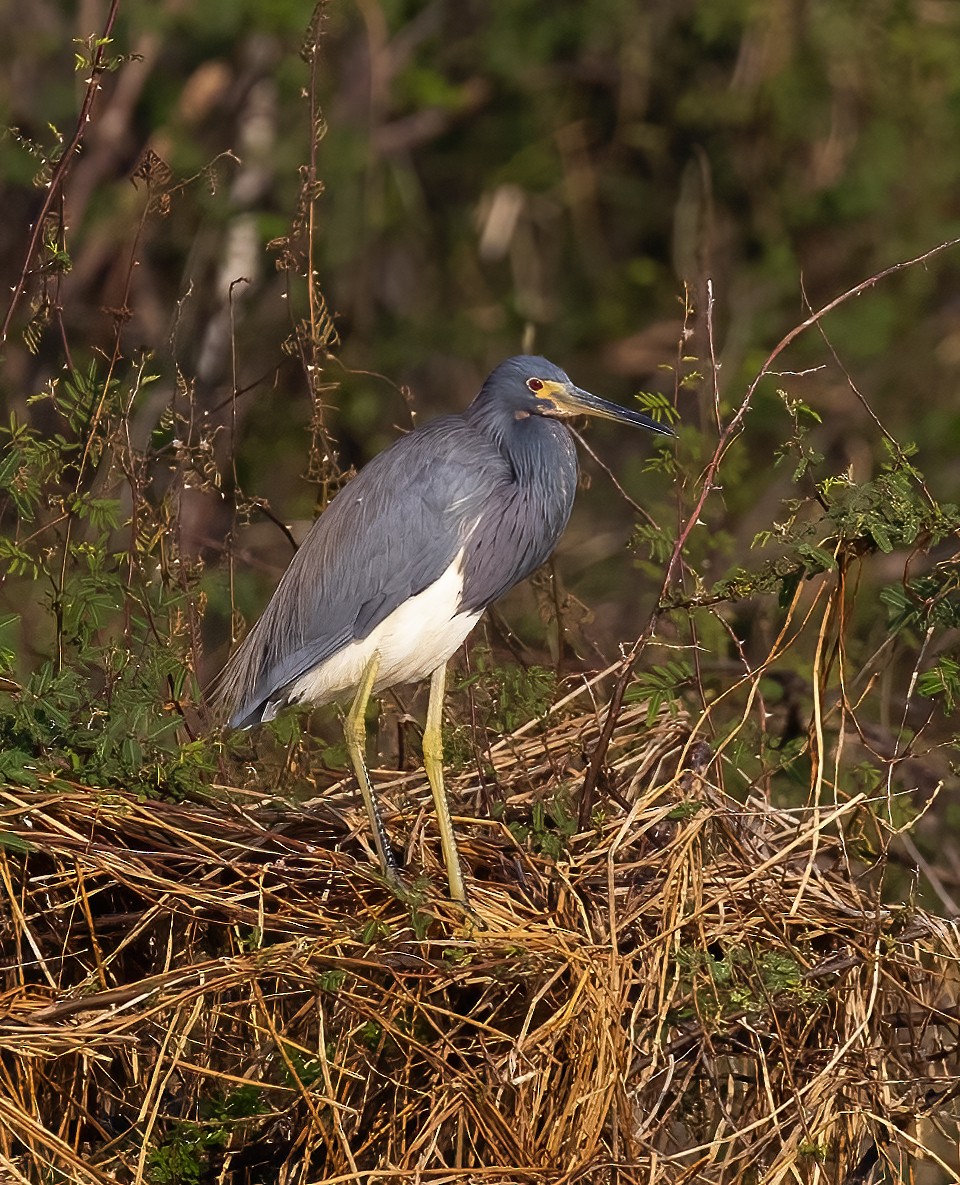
{"points": [[709, 485]]}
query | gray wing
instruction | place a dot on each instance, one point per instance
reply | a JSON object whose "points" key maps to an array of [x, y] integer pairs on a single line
{"points": [[389, 534]]}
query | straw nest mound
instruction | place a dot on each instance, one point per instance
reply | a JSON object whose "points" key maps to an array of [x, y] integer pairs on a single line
{"points": [[692, 989]]}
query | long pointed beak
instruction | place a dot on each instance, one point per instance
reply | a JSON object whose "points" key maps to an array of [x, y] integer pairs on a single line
{"points": [[575, 401]]}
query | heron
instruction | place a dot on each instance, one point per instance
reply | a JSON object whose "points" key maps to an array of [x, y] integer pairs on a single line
{"points": [[398, 569]]}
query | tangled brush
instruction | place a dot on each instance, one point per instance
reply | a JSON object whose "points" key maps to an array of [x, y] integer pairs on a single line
{"points": [[689, 989]]}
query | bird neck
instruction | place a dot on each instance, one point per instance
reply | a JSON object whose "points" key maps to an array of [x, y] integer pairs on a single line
{"points": [[539, 449]]}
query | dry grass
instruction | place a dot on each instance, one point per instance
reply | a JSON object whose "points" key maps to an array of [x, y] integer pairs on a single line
{"points": [[697, 991], [700, 989]]}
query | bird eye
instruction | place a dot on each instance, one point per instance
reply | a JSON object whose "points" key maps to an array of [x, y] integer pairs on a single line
{"points": [[534, 384]]}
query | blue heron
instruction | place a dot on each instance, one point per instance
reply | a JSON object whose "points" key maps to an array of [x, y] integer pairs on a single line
{"points": [[399, 568]]}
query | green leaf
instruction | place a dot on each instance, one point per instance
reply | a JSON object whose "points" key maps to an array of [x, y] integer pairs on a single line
{"points": [[16, 843], [943, 679]]}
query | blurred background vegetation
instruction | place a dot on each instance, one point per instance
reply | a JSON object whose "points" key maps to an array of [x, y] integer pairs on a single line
{"points": [[272, 235], [463, 180]]}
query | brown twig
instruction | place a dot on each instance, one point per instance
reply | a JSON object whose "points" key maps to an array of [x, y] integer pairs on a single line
{"points": [[61, 169]]}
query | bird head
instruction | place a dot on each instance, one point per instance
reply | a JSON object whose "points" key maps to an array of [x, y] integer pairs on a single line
{"points": [[529, 385]]}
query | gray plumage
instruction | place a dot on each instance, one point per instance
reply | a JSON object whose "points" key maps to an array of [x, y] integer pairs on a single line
{"points": [[495, 483]]}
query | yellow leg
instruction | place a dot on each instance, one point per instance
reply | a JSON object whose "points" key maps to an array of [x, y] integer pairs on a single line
{"points": [[355, 733], [433, 763]]}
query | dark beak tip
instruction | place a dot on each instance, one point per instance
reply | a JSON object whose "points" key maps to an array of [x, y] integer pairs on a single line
{"points": [[658, 427], [589, 404]]}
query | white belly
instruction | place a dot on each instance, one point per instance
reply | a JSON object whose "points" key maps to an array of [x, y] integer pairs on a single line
{"points": [[412, 642]]}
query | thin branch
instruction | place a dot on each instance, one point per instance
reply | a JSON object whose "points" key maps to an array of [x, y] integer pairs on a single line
{"points": [[55, 186]]}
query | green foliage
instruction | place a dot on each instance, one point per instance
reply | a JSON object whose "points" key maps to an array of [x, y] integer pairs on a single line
{"points": [[943, 679], [929, 600], [110, 605], [653, 542], [370, 1034], [738, 980], [658, 406], [842, 520], [523, 693], [90, 53], [299, 1069], [685, 810], [804, 665], [179, 1160], [332, 980], [806, 457], [550, 828], [506, 695], [660, 686], [15, 844], [183, 1156]]}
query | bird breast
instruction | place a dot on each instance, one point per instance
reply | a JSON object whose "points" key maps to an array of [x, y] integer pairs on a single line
{"points": [[420, 635]]}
